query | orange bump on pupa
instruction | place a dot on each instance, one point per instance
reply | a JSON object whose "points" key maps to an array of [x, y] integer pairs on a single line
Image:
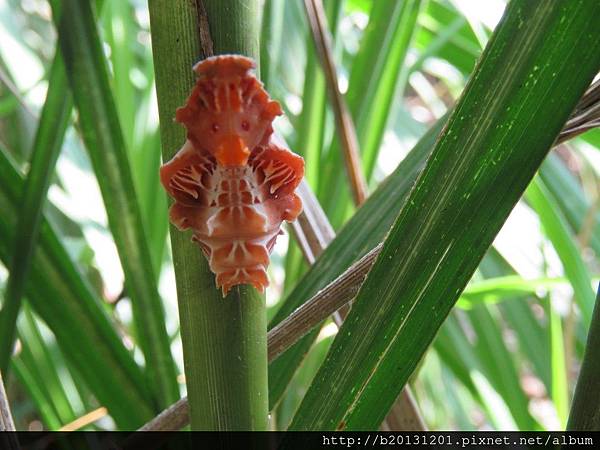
{"points": [[233, 183]]}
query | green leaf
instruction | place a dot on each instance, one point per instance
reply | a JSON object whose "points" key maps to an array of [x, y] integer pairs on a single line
{"points": [[135, 102], [560, 386], [34, 388], [518, 313], [585, 411], [312, 120], [365, 230], [294, 266], [88, 76], [499, 364], [310, 131], [568, 196], [303, 377], [271, 37], [444, 33], [557, 231], [500, 289], [457, 354], [371, 89], [45, 367], [526, 84], [375, 74], [120, 36], [46, 148], [62, 298]]}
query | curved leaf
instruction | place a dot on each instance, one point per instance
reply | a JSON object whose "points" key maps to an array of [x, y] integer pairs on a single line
{"points": [[88, 76], [537, 65]]}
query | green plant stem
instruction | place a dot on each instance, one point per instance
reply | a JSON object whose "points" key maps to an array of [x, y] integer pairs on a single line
{"points": [[585, 410], [224, 339]]}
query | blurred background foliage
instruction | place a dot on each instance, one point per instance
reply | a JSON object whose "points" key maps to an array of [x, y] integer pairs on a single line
{"points": [[508, 355]]}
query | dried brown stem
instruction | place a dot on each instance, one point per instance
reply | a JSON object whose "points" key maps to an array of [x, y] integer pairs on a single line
{"points": [[312, 230], [345, 124], [206, 41], [585, 116], [320, 306], [401, 416], [6, 421], [174, 418], [5, 79]]}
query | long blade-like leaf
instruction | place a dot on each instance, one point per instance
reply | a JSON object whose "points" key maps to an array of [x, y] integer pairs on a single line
{"points": [[557, 231], [344, 123], [392, 27], [63, 299], [372, 85], [36, 354], [46, 148], [499, 365], [88, 77], [349, 246], [569, 196], [585, 412], [271, 35], [364, 231], [519, 97]]}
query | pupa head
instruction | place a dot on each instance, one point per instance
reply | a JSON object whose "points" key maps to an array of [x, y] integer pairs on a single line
{"points": [[228, 113]]}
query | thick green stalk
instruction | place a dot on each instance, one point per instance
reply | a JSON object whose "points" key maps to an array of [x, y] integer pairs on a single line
{"points": [[224, 339], [585, 411], [46, 148], [101, 131]]}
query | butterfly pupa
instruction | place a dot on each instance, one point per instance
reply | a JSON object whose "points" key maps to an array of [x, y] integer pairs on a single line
{"points": [[233, 182]]}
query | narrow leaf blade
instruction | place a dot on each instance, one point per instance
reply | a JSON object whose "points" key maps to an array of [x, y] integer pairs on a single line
{"points": [[519, 97]]}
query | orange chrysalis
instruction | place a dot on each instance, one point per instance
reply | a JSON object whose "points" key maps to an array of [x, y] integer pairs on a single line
{"points": [[232, 182]]}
